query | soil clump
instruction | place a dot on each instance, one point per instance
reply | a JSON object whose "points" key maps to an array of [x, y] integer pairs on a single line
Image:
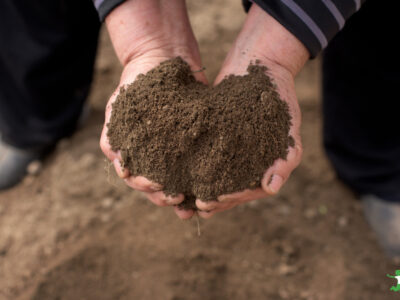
{"points": [[198, 140]]}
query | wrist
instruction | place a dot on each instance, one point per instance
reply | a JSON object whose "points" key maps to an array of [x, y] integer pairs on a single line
{"points": [[152, 29], [265, 39]]}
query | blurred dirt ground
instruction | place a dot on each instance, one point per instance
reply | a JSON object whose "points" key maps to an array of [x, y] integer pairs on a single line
{"points": [[76, 232]]}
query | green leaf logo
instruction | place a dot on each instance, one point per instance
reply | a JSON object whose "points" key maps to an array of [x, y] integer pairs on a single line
{"points": [[395, 288]]}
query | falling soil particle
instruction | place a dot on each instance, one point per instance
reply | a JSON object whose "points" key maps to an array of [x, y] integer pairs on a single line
{"points": [[198, 140]]}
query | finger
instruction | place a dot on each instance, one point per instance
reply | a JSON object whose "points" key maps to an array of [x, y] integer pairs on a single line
{"points": [[206, 205], [243, 196], [141, 183], [183, 213], [155, 200], [121, 171], [160, 197], [280, 171], [200, 76], [206, 214], [278, 174], [209, 214], [211, 205]]}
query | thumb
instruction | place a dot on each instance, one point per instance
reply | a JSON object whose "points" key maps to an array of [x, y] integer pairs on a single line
{"points": [[276, 176]]}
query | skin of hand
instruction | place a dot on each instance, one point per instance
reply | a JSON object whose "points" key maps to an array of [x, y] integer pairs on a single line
{"points": [[145, 33], [263, 38]]}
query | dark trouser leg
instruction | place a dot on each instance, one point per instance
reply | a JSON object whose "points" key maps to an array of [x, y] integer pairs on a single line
{"points": [[361, 92], [47, 51]]}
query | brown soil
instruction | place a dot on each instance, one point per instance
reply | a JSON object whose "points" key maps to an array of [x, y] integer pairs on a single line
{"points": [[77, 232], [198, 140]]}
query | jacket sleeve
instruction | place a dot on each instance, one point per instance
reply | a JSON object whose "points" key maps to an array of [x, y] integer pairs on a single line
{"points": [[313, 22], [104, 7]]}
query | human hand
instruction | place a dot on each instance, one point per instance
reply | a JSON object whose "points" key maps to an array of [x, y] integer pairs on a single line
{"points": [[263, 38], [144, 34]]}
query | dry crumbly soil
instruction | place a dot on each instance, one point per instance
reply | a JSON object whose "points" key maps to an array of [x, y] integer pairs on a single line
{"points": [[201, 141], [76, 232]]}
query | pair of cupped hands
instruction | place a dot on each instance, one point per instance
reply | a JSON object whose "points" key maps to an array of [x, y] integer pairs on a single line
{"points": [[145, 33]]}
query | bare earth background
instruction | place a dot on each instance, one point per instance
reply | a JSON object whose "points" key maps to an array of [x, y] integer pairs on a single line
{"points": [[76, 232]]}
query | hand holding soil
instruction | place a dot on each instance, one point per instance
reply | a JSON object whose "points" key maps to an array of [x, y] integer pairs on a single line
{"points": [[231, 144], [284, 56], [201, 141], [275, 175], [152, 32]]}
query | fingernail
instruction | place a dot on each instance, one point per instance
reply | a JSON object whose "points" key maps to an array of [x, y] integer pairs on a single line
{"points": [[275, 184]]}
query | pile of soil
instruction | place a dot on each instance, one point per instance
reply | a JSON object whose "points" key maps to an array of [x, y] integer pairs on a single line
{"points": [[198, 140]]}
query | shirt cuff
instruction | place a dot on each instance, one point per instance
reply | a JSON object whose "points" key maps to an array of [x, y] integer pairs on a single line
{"points": [[313, 22], [104, 7]]}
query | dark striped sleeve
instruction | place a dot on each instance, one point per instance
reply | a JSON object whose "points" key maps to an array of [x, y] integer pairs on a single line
{"points": [[313, 22], [104, 7]]}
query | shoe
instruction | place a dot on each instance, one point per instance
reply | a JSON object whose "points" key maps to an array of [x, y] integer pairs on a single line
{"points": [[14, 163], [384, 218]]}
